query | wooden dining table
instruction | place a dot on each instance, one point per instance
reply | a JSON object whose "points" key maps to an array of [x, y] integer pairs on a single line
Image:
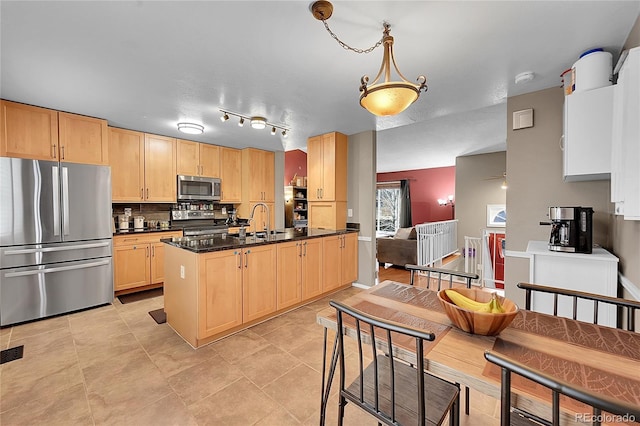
{"points": [[602, 359]]}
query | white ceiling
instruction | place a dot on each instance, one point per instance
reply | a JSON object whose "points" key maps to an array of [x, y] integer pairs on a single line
{"points": [[148, 65]]}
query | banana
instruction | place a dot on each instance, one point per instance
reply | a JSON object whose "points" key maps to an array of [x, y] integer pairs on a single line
{"points": [[496, 307], [492, 306], [466, 303]]}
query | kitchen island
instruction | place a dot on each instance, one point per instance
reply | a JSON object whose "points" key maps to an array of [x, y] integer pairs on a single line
{"points": [[218, 285]]}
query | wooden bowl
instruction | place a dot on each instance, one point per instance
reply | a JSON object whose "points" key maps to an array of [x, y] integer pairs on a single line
{"points": [[482, 323]]}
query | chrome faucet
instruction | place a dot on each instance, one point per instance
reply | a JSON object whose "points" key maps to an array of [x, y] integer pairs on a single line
{"points": [[268, 219]]}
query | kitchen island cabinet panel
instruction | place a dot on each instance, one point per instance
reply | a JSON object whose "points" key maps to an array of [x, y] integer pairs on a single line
{"points": [[289, 274], [340, 256], [219, 292], [312, 266], [258, 282]]}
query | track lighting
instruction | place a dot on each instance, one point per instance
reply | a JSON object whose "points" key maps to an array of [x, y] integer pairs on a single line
{"points": [[191, 128], [257, 122]]}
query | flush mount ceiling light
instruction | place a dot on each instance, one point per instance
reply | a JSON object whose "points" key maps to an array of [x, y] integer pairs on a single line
{"points": [[191, 128], [379, 98], [257, 122], [524, 77]]}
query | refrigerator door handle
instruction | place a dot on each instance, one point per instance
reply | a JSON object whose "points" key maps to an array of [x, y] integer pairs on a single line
{"points": [[59, 269], [55, 183], [65, 201], [54, 249]]}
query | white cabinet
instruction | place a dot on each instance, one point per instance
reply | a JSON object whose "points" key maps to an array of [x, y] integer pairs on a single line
{"points": [[588, 118], [625, 173], [595, 273]]}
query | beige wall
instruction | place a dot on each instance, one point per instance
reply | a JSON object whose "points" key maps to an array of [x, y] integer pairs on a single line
{"points": [[361, 196], [534, 170], [475, 189]]}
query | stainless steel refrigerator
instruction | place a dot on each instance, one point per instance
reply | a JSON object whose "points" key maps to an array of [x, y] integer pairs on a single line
{"points": [[55, 238]]}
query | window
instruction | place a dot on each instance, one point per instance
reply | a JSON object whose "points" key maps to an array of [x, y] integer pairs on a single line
{"points": [[387, 207]]}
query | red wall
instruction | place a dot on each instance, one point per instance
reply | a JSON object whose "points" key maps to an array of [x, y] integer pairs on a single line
{"points": [[425, 187], [294, 162]]}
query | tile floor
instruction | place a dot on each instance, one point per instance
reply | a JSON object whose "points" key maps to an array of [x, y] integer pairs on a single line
{"points": [[115, 365]]}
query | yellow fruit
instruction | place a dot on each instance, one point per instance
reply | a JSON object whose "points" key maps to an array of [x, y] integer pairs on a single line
{"points": [[496, 307], [466, 303]]}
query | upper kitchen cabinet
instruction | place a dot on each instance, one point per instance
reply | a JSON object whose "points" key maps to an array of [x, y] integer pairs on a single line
{"points": [[588, 118], [83, 139], [143, 167], [160, 168], [45, 134], [327, 167], [230, 175], [197, 159], [327, 181], [625, 174], [258, 184], [258, 181], [28, 132]]}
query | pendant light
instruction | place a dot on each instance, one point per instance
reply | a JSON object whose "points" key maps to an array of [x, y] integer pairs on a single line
{"points": [[379, 98]]}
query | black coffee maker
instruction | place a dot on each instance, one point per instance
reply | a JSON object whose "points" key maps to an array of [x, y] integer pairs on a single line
{"points": [[571, 229]]}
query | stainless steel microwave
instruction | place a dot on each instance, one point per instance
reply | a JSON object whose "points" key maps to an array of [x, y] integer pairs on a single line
{"points": [[198, 188]]}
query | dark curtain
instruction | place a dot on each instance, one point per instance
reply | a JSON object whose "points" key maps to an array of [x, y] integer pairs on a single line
{"points": [[405, 205]]}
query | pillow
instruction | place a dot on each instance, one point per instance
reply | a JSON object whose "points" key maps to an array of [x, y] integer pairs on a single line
{"points": [[406, 234]]}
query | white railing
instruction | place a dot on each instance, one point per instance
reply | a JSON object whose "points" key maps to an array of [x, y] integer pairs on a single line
{"points": [[436, 240], [473, 257]]}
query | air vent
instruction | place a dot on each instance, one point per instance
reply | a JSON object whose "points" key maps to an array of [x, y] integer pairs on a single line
{"points": [[11, 354]]}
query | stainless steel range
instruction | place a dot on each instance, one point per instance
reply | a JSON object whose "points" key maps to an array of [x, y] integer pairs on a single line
{"points": [[198, 222]]}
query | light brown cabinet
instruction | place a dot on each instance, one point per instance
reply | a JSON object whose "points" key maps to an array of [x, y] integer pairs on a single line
{"points": [[219, 292], [44, 134], [138, 260], [143, 167], [258, 185], [258, 282], [197, 159], [83, 139], [327, 180], [258, 180], [231, 175], [340, 253], [299, 272]]}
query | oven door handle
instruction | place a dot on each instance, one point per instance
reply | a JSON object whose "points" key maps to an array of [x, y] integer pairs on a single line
{"points": [[59, 269]]}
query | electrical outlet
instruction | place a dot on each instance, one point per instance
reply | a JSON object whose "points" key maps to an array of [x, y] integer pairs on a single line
{"points": [[349, 212], [182, 271]]}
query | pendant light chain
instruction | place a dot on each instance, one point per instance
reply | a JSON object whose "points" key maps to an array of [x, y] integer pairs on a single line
{"points": [[346, 46]]}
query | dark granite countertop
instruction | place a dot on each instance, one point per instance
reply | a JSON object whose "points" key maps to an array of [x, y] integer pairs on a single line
{"points": [[204, 244], [145, 230]]}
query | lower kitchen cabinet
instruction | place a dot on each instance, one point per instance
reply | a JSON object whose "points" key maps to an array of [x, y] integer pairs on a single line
{"points": [[340, 259], [219, 296], [210, 295], [138, 260], [258, 282], [299, 272]]}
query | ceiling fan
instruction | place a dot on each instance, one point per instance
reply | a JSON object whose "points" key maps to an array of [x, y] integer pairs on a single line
{"points": [[503, 177]]}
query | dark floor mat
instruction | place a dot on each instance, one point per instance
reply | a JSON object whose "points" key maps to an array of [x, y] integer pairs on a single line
{"points": [[141, 295], [159, 316]]}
